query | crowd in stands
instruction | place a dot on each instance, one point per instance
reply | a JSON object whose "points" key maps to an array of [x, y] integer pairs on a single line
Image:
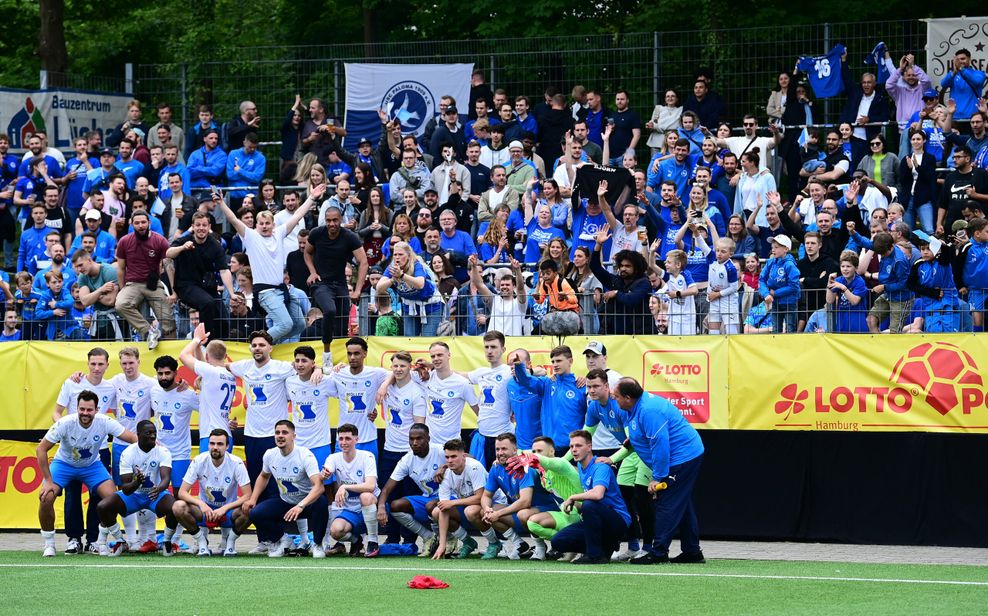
{"points": [[516, 215]]}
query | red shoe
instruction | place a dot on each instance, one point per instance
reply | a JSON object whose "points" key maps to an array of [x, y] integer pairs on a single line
{"points": [[148, 547]]}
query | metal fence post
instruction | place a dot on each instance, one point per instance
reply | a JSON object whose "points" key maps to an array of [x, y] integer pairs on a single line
{"points": [[43, 80], [826, 49], [493, 79], [656, 40], [336, 88], [129, 79], [185, 94]]}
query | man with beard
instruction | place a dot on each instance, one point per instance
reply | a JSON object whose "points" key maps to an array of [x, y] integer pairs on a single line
{"points": [[172, 405], [837, 163], [196, 262], [57, 265], [139, 257], [628, 289]]}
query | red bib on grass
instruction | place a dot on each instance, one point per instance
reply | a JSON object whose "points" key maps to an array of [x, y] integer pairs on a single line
{"points": [[425, 582]]}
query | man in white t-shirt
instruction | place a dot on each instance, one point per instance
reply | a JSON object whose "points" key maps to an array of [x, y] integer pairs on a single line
{"points": [[98, 361], [356, 386], [419, 466], [462, 486], [494, 413], [751, 140], [144, 482], [217, 387], [293, 470], [79, 437], [446, 394], [355, 502], [219, 475], [265, 246]]}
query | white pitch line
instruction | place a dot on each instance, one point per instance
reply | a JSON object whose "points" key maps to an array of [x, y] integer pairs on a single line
{"points": [[420, 570]]}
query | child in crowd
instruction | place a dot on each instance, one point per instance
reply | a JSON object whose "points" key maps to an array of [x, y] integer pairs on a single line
{"points": [[83, 315], [779, 286], [932, 280], [681, 289], [847, 297], [810, 154], [26, 299], [54, 306], [722, 289], [387, 322]]}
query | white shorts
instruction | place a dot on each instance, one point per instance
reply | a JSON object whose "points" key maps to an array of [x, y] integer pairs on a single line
{"points": [[724, 310]]}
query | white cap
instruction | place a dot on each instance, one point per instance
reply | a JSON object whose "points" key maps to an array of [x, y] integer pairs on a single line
{"points": [[515, 144], [783, 240], [595, 347], [94, 215]]}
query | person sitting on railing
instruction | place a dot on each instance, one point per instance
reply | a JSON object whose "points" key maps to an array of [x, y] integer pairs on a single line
{"points": [[422, 305]]}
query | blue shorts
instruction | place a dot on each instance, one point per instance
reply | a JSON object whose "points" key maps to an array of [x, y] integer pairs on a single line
{"points": [[92, 475], [464, 522], [139, 500], [355, 519], [321, 453], [179, 467], [976, 297], [227, 521], [419, 509], [118, 449], [204, 444], [370, 446]]}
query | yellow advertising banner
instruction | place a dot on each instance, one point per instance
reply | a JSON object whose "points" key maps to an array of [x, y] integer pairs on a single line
{"points": [[859, 383], [20, 482], [691, 372]]}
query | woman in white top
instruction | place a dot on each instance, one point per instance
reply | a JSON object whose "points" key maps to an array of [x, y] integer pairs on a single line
{"points": [[664, 118], [507, 306], [753, 186]]}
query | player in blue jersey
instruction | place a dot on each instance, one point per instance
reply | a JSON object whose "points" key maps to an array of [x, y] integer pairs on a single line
{"points": [[418, 467], [672, 450], [223, 488], [526, 497], [604, 516], [525, 404], [146, 475], [79, 437]]}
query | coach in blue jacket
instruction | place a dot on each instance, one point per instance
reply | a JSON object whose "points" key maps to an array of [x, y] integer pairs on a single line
{"points": [[671, 448]]}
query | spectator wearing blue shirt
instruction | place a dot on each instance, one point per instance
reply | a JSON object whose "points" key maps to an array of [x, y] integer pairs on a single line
{"points": [[245, 166], [35, 145], [540, 232], [457, 245], [604, 517], [172, 165], [690, 133], [672, 450], [54, 307], [894, 300], [125, 163], [337, 170], [10, 332], [678, 169], [965, 84], [779, 285], [98, 178], [207, 164], [76, 171], [32, 243]]}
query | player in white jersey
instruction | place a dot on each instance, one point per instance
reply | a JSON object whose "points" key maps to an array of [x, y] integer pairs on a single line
{"points": [[403, 404], [146, 476], [494, 414], [79, 437], [310, 405], [462, 486], [446, 394], [217, 386], [172, 404], [356, 499], [293, 470], [356, 387], [722, 290], [97, 362], [678, 285], [604, 443], [418, 466], [267, 401], [219, 475]]}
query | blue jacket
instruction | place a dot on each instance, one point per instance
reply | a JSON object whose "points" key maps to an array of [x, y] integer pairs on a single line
{"points": [[965, 88], [661, 436], [105, 251], [976, 266], [68, 278], [32, 246], [527, 408], [165, 193], [207, 168], [564, 405], [893, 272], [45, 312], [782, 277], [250, 170]]}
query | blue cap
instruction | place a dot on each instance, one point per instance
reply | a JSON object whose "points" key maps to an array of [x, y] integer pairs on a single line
{"points": [[931, 93]]}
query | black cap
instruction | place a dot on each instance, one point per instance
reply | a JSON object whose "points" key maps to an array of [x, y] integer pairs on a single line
{"points": [[363, 141], [431, 190], [451, 109], [106, 152]]}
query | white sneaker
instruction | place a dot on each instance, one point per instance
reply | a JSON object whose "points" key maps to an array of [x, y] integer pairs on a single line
{"points": [[104, 550], [279, 549], [538, 553], [118, 548], [512, 552], [318, 551], [204, 548], [568, 557], [261, 548], [639, 553], [230, 549], [621, 557], [73, 546], [48, 552], [154, 335]]}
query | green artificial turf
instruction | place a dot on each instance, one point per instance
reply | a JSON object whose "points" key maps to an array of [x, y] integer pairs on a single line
{"points": [[254, 585]]}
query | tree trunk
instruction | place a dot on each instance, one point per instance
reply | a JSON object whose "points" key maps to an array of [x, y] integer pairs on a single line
{"points": [[51, 42]]}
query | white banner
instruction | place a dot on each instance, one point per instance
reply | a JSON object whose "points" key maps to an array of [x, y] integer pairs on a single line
{"points": [[61, 114], [945, 36], [409, 92]]}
